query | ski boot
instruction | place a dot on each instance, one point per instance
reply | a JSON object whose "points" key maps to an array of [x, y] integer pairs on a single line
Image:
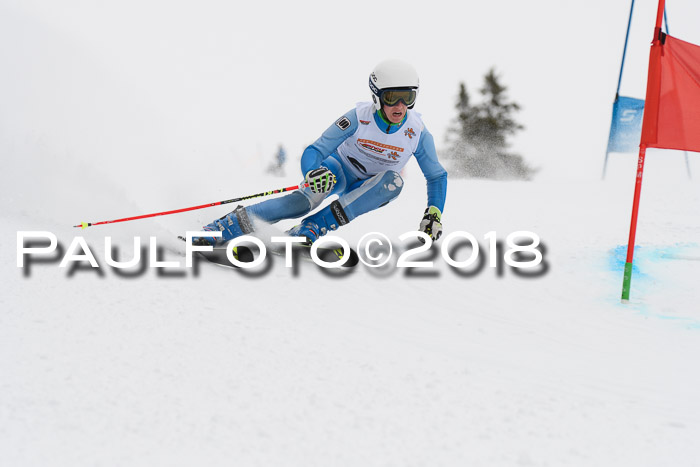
{"points": [[232, 225], [308, 229], [327, 219]]}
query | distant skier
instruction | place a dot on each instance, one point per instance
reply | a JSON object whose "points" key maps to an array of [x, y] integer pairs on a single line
{"points": [[281, 156], [358, 158], [277, 167]]}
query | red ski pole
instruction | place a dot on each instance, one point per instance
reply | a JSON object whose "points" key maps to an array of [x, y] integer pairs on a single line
{"points": [[85, 225]]}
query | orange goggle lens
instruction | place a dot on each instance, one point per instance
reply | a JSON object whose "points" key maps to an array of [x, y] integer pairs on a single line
{"points": [[392, 97]]}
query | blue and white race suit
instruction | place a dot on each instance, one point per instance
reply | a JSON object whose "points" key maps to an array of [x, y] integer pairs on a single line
{"points": [[366, 154]]}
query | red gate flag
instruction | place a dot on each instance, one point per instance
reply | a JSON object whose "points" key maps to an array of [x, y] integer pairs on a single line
{"points": [[671, 114], [672, 110]]}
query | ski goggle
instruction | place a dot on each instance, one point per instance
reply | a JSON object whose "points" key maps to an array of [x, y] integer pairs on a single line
{"points": [[391, 97]]}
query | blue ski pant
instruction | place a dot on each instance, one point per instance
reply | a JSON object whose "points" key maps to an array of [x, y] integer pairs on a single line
{"points": [[356, 196]]}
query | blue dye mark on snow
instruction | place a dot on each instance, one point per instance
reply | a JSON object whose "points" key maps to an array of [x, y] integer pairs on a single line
{"points": [[618, 258], [651, 254], [680, 251], [688, 323], [644, 258]]}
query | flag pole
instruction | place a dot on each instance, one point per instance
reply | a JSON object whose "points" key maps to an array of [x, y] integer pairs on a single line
{"points": [[627, 276], [624, 51], [619, 82]]}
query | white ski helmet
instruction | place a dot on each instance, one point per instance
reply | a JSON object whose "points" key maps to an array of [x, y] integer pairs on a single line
{"points": [[394, 75]]}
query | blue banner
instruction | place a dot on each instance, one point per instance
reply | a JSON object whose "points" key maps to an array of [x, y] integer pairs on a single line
{"points": [[626, 126]]}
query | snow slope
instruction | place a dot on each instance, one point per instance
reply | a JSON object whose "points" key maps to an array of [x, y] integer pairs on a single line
{"points": [[375, 368], [105, 113]]}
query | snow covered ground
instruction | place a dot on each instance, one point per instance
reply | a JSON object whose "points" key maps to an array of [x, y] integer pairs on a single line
{"points": [[374, 368], [127, 114]]}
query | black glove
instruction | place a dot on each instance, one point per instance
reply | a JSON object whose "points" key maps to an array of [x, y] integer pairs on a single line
{"points": [[430, 223]]}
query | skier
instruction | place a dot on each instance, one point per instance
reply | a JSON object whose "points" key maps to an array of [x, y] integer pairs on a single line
{"points": [[281, 157], [277, 167], [358, 158]]}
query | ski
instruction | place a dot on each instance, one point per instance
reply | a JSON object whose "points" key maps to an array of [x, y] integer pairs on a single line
{"points": [[218, 255], [329, 255], [299, 250]]}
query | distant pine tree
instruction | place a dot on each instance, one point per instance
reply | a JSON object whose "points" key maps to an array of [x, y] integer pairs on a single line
{"points": [[478, 140]]}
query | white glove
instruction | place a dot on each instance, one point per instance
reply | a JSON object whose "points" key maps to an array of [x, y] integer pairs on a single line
{"points": [[320, 180]]}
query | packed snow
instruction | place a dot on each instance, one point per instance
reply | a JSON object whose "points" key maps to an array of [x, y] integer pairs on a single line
{"points": [[307, 367], [369, 368]]}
